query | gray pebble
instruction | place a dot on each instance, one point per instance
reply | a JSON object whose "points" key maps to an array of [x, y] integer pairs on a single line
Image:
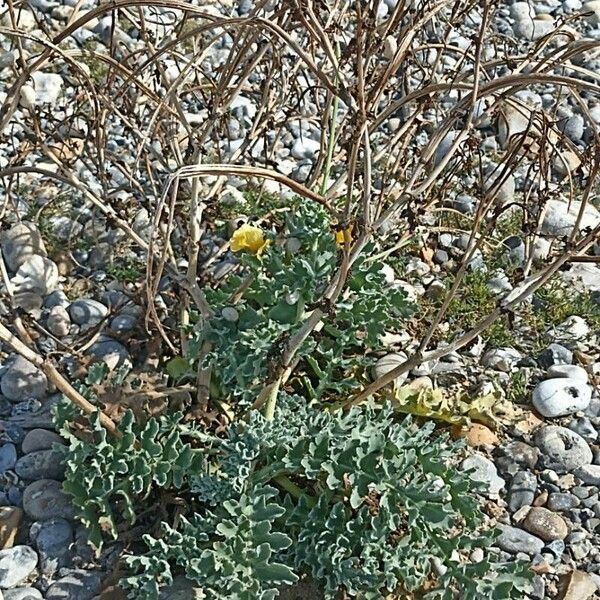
{"points": [[40, 439], [555, 354], [78, 585], [52, 539], [45, 499], [8, 457], [86, 311], [558, 501], [562, 450], [23, 380], [514, 540], [522, 490], [42, 464], [27, 593]]}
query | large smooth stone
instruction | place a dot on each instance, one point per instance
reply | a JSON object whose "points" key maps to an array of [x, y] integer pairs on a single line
{"points": [[562, 450], [45, 499], [387, 363], [23, 380], [16, 564], [561, 396], [42, 464], [19, 243]]}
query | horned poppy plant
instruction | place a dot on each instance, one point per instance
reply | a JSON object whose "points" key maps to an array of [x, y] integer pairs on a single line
{"points": [[250, 238]]}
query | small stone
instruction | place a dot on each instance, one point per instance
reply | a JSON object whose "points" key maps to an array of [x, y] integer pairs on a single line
{"points": [[478, 435], [577, 585], [8, 457], [21, 242], [555, 354], [559, 502], [589, 474], [592, 11], [78, 585], [27, 593], [45, 499], [47, 87], [562, 450], [515, 540], [501, 359], [123, 323], [10, 519], [545, 524], [386, 363], [42, 464], [561, 216], [86, 311], [583, 426], [111, 352], [23, 380], [517, 456], [568, 371], [53, 539], [561, 396], [40, 439], [483, 471], [37, 275], [16, 564], [521, 490], [59, 322]]}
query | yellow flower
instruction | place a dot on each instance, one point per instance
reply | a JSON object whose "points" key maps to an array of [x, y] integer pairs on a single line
{"points": [[249, 237], [340, 236]]}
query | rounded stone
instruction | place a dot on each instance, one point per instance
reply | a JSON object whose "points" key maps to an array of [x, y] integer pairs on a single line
{"points": [[59, 322], [8, 457], [45, 499], [37, 275], [27, 593], [545, 524], [23, 380], [522, 490], [111, 352], [78, 585], [40, 439], [483, 471], [16, 564], [41, 464], [561, 396], [19, 243], [53, 539], [387, 363], [567, 371], [562, 450], [558, 501], [589, 474], [515, 540], [86, 311]]}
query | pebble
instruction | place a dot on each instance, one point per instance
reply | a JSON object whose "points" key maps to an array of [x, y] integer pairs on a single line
{"points": [[41, 464], [16, 564], [516, 456], [521, 491], [19, 243], [45, 499], [78, 585], [86, 311], [545, 524], [386, 363], [483, 471], [515, 540], [577, 585], [28, 593], [560, 217], [59, 322], [562, 450], [111, 352], [52, 539], [501, 359], [123, 323], [8, 457], [555, 354], [567, 371], [558, 501], [40, 439], [561, 396], [589, 474], [37, 275], [583, 426], [23, 380]]}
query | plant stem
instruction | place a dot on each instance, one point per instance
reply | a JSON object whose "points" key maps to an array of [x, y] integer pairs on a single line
{"points": [[289, 486]]}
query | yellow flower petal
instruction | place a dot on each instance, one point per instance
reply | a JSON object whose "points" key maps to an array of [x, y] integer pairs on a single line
{"points": [[248, 237], [340, 237]]}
